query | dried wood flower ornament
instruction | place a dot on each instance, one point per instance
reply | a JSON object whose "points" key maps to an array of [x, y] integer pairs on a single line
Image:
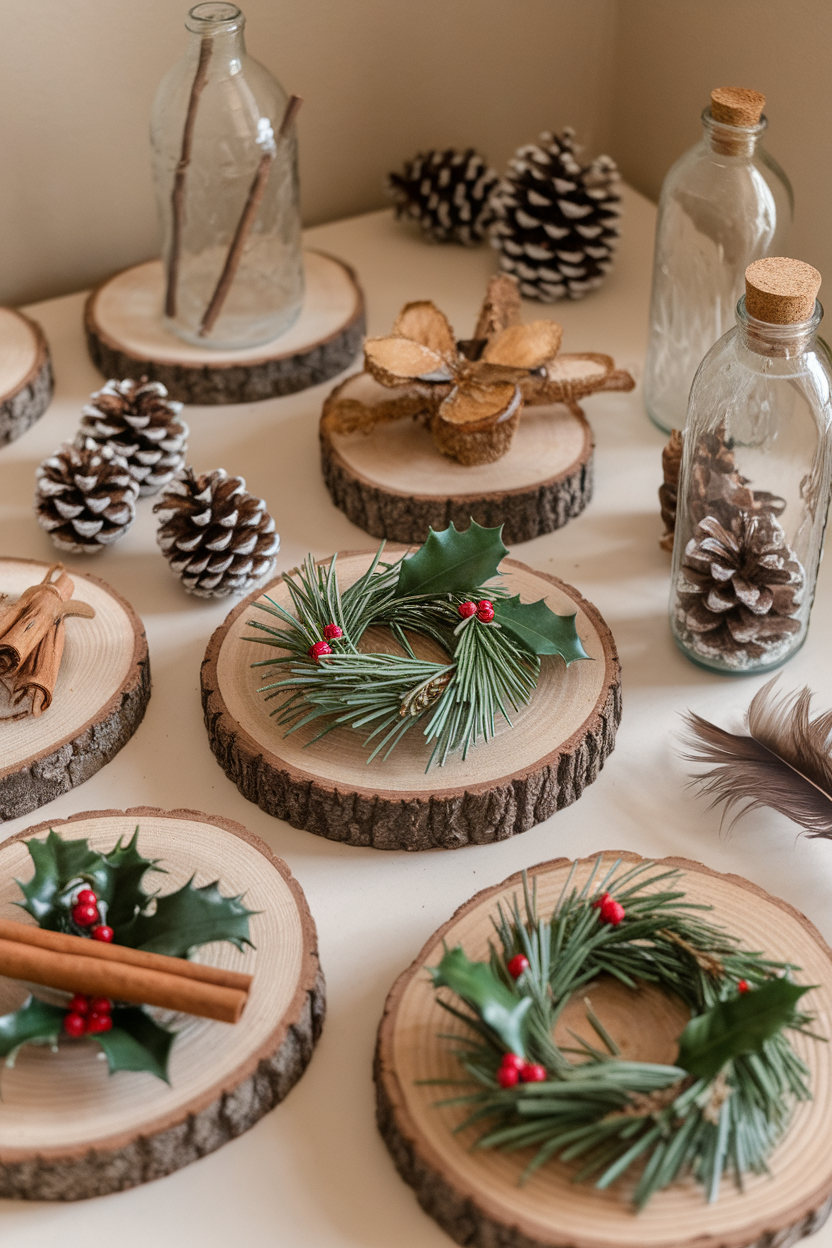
{"points": [[32, 643], [470, 393]]}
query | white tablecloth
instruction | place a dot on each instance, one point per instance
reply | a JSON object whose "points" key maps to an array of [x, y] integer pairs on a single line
{"points": [[314, 1173]]}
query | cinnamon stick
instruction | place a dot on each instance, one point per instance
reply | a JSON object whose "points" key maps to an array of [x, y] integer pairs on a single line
{"points": [[120, 981], [178, 195]]}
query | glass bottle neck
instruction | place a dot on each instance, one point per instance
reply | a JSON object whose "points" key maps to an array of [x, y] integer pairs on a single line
{"points": [[784, 341], [217, 26], [732, 140]]}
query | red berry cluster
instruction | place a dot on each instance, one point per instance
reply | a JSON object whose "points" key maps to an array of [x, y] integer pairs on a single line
{"points": [[484, 610], [88, 1016], [514, 1070], [85, 914], [322, 648], [612, 911]]}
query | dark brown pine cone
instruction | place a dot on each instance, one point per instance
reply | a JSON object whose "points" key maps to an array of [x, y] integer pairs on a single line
{"points": [[217, 538], [447, 193], [740, 590], [85, 497], [141, 423], [669, 489], [716, 487]]}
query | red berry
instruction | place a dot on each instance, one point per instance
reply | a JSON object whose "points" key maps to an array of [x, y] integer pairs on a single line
{"points": [[533, 1073], [467, 609], [86, 897], [511, 1061], [102, 932], [74, 1024], [100, 1005], [612, 912], [743, 986], [507, 1076], [84, 915], [97, 1023], [600, 901], [332, 632], [319, 651], [79, 1004], [485, 611], [518, 964]]}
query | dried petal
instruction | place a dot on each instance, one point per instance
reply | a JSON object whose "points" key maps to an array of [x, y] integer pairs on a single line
{"points": [[394, 361], [424, 323], [525, 346], [479, 407]]}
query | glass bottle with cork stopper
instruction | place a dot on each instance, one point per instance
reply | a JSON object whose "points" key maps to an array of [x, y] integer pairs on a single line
{"points": [[724, 204], [755, 478]]}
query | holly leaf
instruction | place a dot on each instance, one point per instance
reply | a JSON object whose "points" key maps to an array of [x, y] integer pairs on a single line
{"points": [[56, 863], [738, 1025], [35, 1022], [480, 988], [136, 1042], [450, 562], [186, 919], [117, 880], [537, 628]]}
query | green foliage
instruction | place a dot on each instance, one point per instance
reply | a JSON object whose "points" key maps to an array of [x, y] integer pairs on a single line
{"points": [[136, 1042], [501, 1009], [539, 629], [34, 1023], [594, 1109], [737, 1025], [186, 919], [451, 562]]}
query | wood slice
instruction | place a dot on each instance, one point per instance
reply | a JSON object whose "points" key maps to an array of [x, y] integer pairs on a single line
{"points": [[99, 701], [556, 748], [475, 1196], [26, 382], [394, 483], [68, 1130], [126, 338]]}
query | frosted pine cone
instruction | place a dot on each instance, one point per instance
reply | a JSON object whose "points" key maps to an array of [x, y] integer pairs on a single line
{"points": [[85, 497], [556, 225], [447, 193], [141, 423], [218, 538]]}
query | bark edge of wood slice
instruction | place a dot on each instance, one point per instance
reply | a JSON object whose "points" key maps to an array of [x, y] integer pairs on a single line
{"points": [[474, 1196], [161, 1139], [125, 338], [505, 787], [381, 504], [42, 758], [26, 382]]}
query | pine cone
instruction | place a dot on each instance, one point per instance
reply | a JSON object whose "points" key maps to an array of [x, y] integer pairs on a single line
{"points": [[217, 538], [141, 423], [740, 589], [85, 497], [556, 224], [717, 488], [447, 193], [669, 489]]}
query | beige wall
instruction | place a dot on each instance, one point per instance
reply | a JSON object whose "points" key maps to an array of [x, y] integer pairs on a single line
{"points": [[380, 78]]}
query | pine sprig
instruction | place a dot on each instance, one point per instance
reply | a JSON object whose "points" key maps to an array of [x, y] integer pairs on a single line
{"points": [[720, 1109]]}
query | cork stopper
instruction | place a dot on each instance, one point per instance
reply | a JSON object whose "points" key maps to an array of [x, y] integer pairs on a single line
{"points": [[781, 291], [737, 106]]}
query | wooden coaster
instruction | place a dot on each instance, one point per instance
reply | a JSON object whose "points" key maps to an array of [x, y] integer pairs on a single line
{"points": [[393, 482], [475, 1196], [126, 338], [100, 698], [26, 382], [68, 1129], [556, 748]]}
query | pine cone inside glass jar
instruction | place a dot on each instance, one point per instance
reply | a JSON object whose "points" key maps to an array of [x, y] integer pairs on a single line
{"points": [[141, 423], [85, 497], [218, 538], [740, 589]]}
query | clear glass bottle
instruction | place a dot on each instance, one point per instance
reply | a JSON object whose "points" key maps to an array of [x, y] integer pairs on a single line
{"points": [[227, 190], [723, 204], [755, 479]]}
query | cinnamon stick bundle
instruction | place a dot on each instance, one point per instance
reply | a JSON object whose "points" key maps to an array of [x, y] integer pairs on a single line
{"points": [[75, 964]]}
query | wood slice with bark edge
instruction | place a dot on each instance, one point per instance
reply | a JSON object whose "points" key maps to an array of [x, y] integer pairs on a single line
{"points": [[26, 382], [126, 338], [140, 1128], [506, 786], [475, 1197], [86, 726], [357, 471]]}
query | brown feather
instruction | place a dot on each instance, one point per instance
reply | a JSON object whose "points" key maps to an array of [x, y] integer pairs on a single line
{"points": [[783, 763]]}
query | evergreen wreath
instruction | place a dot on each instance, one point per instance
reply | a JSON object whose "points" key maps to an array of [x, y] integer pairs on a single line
{"points": [[493, 646], [721, 1108]]}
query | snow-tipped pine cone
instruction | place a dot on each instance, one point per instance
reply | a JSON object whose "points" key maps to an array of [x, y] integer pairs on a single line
{"points": [[85, 497], [141, 423], [218, 538], [447, 193]]}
